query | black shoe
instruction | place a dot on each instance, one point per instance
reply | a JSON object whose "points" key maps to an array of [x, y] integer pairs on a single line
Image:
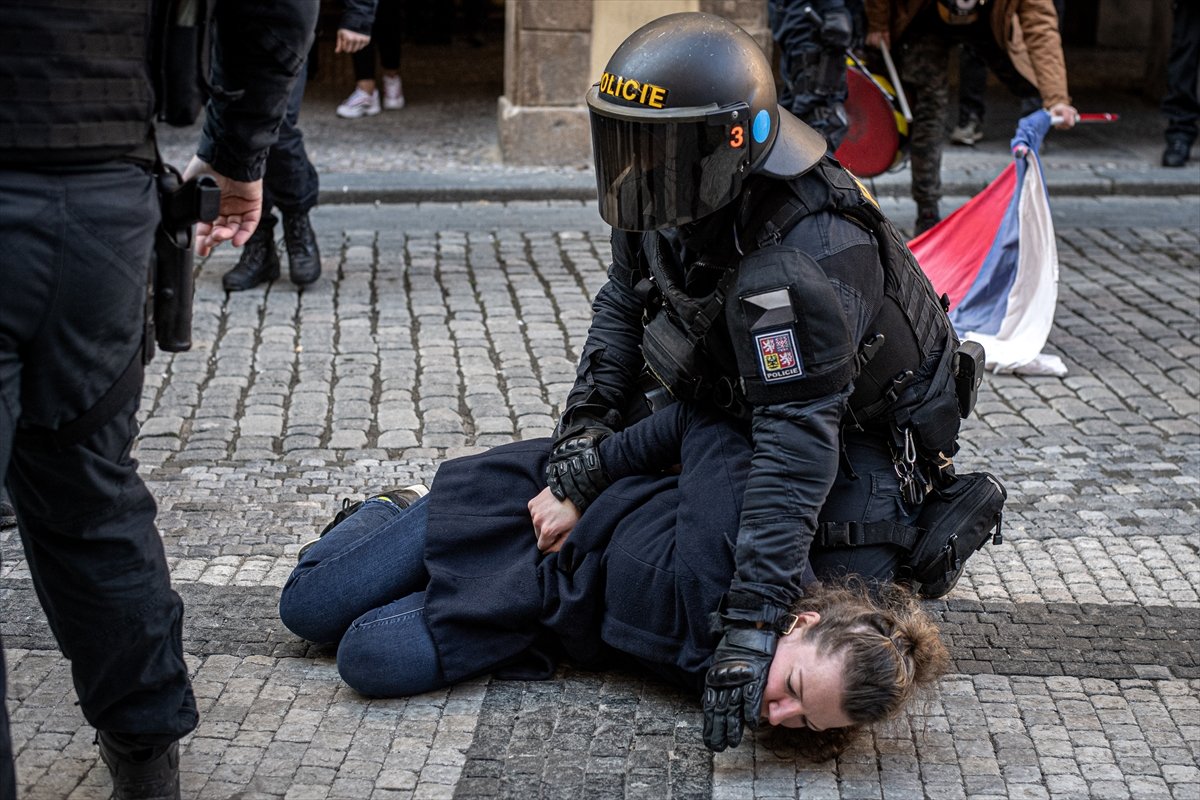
{"points": [[927, 217], [259, 262], [304, 259], [400, 497], [1176, 154], [155, 777]]}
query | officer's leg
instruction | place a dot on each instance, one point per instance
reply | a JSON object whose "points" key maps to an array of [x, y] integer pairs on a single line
{"points": [[86, 519], [9, 411], [925, 62], [873, 497], [291, 183], [1181, 104]]}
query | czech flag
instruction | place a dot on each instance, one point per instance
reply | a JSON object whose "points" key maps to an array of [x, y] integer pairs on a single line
{"points": [[997, 260]]}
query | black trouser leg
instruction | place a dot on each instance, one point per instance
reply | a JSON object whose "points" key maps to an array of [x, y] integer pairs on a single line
{"points": [[71, 321]]}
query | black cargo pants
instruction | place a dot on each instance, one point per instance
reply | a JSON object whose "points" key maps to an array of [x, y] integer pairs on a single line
{"points": [[74, 252]]}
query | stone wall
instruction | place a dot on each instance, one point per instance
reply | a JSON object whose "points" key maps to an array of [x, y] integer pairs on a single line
{"points": [[547, 69]]}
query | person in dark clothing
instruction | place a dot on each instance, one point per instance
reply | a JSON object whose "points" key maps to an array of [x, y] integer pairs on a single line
{"points": [[384, 38], [421, 592], [291, 184], [1181, 104], [78, 218], [972, 91], [925, 31], [812, 59], [754, 275]]}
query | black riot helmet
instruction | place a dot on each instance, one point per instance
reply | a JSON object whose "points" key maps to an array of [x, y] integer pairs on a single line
{"points": [[684, 112]]}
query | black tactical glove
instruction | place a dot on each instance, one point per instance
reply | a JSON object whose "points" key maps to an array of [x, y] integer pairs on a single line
{"points": [[575, 472], [837, 28], [733, 687]]}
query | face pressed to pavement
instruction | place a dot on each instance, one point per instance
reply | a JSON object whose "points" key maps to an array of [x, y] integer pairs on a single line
{"points": [[804, 687]]}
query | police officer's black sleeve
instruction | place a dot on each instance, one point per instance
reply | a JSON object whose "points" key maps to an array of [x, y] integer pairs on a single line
{"points": [[797, 358], [612, 358], [259, 48], [358, 16]]}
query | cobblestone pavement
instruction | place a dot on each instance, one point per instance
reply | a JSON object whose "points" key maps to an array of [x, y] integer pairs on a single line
{"points": [[1076, 671]]}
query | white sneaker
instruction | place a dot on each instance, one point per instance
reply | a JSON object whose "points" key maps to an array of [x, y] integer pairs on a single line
{"points": [[393, 93], [359, 104]]}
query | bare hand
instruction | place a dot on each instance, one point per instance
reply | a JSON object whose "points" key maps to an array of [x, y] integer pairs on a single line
{"points": [[879, 40], [553, 520], [350, 42], [239, 214], [1067, 114]]}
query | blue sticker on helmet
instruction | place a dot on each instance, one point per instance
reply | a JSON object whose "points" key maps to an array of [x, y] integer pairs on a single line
{"points": [[762, 126]]}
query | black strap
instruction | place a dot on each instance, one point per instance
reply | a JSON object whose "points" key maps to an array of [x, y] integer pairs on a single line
{"points": [[863, 534], [128, 385], [697, 314]]}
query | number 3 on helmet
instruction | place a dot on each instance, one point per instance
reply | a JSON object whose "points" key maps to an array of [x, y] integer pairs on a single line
{"points": [[684, 112]]}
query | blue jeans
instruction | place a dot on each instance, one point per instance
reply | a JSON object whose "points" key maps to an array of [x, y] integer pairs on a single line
{"points": [[363, 586]]}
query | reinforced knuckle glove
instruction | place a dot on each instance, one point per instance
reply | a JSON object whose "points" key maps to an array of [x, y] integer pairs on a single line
{"points": [[575, 471], [734, 685]]}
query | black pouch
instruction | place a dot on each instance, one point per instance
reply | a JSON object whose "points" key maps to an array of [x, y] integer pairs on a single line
{"points": [[968, 374], [955, 521], [673, 357], [184, 61], [935, 418]]}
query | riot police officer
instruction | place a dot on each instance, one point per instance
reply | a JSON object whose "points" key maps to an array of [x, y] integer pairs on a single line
{"points": [[752, 273], [79, 216]]}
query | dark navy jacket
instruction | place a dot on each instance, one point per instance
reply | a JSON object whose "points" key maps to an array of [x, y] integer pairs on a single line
{"points": [[640, 574]]}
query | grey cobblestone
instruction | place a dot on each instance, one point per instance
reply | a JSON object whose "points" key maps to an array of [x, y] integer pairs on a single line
{"points": [[1075, 643]]}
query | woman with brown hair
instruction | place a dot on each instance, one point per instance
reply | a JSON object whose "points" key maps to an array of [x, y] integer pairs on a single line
{"points": [[421, 592]]}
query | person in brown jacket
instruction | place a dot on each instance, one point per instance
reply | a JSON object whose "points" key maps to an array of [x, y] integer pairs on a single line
{"points": [[1017, 39]]}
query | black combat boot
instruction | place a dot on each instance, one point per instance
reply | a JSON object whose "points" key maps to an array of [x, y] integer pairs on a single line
{"points": [[927, 217], [304, 260], [140, 773], [259, 262], [8, 514], [1177, 152]]}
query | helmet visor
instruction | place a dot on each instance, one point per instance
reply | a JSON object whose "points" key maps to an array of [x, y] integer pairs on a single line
{"points": [[659, 169]]}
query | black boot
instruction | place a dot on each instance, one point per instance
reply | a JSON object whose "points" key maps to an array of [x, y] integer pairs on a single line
{"points": [[1177, 152], [140, 774], [304, 259], [8, 514], [259, 262], [927, 217]]}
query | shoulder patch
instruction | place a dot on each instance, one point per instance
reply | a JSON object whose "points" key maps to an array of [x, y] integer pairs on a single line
{"points": [[778, 356]]}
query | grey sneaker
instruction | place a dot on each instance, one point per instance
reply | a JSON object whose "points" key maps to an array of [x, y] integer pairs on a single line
{"points": [[967, 133]]}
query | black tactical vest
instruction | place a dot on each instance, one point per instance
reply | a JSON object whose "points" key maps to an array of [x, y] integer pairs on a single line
{"points": [[75, 83], [906, 372]]}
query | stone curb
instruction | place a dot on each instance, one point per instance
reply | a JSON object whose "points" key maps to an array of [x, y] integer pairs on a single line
{"points": [[579, 185]]}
